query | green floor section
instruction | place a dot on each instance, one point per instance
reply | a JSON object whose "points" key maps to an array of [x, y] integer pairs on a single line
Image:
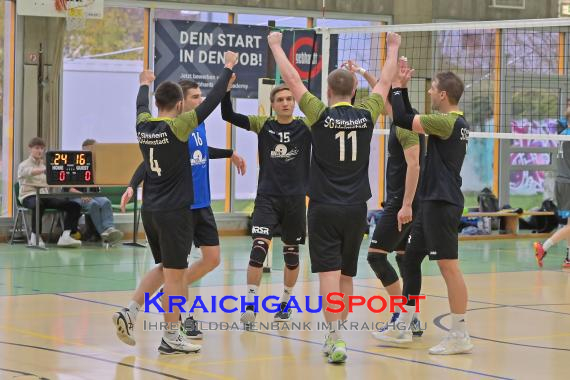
{"points": [[92, 268]]}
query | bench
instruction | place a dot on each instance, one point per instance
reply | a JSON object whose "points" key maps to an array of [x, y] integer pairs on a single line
{"points": [[511, 223]]}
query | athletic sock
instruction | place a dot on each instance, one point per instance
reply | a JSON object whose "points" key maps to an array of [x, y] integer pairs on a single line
{"points": [[133, 309], [547, 244], [458, 323], [251, 293], [406, 318], [287, 291]]}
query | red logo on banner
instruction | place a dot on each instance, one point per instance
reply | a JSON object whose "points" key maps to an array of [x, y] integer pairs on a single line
{"points": [[293, 57]]}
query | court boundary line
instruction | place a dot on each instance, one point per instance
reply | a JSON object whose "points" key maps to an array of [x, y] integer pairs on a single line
{"points": [[437, 323], [85, 356], [318, 343], [523, 306], [39, 292], [22, 373]]}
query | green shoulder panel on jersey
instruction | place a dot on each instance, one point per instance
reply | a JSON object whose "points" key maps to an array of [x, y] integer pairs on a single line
{"points": [[374, 104], [256, 123], [183, 125], [439, 124], [406, 138], [312, 107], [143, 117], [303, 120]]}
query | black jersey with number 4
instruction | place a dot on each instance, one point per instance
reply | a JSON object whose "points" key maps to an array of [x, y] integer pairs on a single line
{"points": [[341, 148], [164, 146]]}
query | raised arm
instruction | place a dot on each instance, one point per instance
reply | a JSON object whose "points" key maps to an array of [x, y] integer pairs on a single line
{"points": [[354, 67], [229, 115], [143, 111], [390, 69], [186, 122], [219, 90], [288, 72]]}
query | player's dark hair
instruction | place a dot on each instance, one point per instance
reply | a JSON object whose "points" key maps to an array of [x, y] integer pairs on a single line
{"points": [[167, 94], [451, 84], [187, 85]]}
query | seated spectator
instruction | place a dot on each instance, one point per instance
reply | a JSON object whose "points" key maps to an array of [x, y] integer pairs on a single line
{"points": [[99, 208], [31, 175]]}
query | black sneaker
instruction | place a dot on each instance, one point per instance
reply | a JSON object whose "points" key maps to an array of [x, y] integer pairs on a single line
{"points": [[190, 329], [416, 327], [178, 346], [282, 315]]}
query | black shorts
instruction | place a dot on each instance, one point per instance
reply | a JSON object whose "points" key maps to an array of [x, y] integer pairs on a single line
{"points": [[386, 236], [205, 228], [335, 235], [169, 235], [435, 231], [287, 212]]}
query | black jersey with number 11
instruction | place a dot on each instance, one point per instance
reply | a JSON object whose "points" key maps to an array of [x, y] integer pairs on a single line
{"points": [[341, 148]]}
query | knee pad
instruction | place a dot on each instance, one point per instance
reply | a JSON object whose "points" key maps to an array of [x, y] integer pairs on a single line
{"points": [[291, 256], [258, 253], [383, 269]]}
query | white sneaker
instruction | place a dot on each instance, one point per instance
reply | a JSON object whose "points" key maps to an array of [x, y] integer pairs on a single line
{"points": [[124, 325], [178, 346], [111, 235], [392, 335], [41, 243], [248, 316], [453, 343], [65, 240]]}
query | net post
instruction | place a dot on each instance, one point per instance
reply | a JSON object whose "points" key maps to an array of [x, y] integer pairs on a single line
{"points": [[497, 110]]}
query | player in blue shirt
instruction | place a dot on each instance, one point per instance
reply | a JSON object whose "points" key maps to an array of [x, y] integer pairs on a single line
{"points": [[205, 230]]}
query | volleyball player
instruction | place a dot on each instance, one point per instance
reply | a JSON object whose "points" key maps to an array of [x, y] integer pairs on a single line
{"points": [[284, 146], [167, 197], [205, 231], [338, 184], [405, 151], [435, 227]]}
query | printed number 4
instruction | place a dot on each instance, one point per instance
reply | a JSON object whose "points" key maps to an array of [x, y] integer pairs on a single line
{"points": [[351, 136], [154, 163]]}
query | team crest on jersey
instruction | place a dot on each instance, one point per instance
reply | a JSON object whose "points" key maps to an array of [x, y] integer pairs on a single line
{"points": [[197, 158], [281, 151]]}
